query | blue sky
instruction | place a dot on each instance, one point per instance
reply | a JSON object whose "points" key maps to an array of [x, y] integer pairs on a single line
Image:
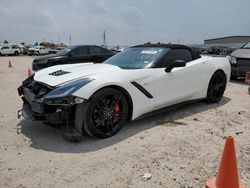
{"points": [[127, 22]]}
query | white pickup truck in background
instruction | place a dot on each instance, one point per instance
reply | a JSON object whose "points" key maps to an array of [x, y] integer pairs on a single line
{"points": [[9, 50], [38, 50]]}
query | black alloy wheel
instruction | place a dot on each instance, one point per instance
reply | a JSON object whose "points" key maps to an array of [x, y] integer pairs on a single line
{"points": [[106, 113], [216, 87]]}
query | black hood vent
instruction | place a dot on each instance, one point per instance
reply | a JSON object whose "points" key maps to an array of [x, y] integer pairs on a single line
{"points": [[58, 73]]}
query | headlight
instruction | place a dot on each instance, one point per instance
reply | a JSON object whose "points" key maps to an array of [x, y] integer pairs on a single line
{"points": [[67, 89], [233, 60]]}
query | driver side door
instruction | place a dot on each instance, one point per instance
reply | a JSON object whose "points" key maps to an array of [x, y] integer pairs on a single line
{"points": [[182, 83]]}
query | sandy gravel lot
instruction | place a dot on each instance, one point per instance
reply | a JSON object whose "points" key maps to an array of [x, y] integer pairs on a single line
{"points": [[179, 147]]}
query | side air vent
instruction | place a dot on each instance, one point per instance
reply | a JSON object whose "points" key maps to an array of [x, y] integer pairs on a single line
{"points": [[58, 73], [142, 89]]}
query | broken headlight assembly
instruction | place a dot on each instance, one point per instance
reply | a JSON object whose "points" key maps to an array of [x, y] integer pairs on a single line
{"points": [[62, 95]]}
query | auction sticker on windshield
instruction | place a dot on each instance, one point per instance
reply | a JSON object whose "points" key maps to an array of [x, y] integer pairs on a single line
{"points": [[149, 52]]}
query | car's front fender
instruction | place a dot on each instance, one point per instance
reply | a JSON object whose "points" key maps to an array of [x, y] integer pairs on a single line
{"points": [[141, 103]]}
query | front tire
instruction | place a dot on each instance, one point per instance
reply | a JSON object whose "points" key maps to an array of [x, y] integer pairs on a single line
{"points": [[216, 87], [105, 113]]}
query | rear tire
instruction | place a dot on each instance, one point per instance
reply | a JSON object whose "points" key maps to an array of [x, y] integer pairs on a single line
{"points": [[104, 113], [216, 87], [16, 53]]}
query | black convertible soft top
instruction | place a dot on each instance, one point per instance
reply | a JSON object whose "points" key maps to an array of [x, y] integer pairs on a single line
{"points": [[171, 46]]}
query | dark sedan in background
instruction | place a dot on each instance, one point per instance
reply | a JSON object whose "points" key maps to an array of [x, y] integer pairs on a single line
{"points": [[240, 61], [73, 54]]}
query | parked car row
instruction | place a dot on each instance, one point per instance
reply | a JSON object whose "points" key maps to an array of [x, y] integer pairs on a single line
{"points": [[214, 50], [42, 50], [14, 49], [239, 59], [21, 49]]}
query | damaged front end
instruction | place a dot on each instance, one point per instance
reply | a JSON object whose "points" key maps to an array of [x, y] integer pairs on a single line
{"points": [[54, 105]]}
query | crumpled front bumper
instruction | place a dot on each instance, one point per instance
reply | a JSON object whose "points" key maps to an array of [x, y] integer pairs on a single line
{"points": [[37, 110], [25, 112]]}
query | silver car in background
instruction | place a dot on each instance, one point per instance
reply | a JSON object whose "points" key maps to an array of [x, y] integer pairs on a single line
{"points": [[240, 61]]}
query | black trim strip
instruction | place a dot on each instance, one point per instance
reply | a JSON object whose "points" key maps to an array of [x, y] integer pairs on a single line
{"points": [[142, 89]]}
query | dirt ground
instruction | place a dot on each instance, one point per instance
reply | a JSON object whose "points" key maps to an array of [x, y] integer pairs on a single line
{"points": [[179, 147]]}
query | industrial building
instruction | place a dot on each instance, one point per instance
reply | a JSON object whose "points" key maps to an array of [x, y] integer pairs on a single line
{"points": [[228, 40]]}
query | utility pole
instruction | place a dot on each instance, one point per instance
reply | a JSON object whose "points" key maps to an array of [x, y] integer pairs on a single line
{"points": [[70, 40], [59, 40], [104, 39]]}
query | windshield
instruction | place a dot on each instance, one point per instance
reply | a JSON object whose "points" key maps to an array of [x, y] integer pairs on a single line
{"points": [[246, 46], [65, 51], [137, 57]]}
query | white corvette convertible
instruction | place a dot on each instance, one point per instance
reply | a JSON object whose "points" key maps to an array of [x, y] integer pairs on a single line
{"points": [[99, 98]]}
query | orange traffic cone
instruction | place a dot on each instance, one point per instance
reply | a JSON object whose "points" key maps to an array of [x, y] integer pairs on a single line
{"points": [[29, 72], [10, 65], [227, 176]]}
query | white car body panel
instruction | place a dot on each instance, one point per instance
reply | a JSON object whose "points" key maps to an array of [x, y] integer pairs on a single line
{"points": [[181, 84]]}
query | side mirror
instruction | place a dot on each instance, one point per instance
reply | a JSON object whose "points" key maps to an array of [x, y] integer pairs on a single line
{"points": [[175, 63]]}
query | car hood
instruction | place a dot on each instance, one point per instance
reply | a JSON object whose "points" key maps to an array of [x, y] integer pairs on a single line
{"points": [[60, 74], [241, 53], [45, 57]]}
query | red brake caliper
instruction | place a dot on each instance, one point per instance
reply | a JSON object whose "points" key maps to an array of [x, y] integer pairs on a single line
{"points": [[117, 113]]}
